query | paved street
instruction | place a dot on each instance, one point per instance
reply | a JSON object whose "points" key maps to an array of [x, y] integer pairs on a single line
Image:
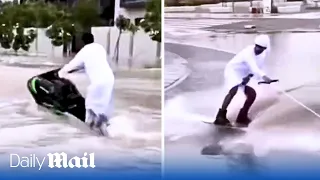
{"points": [[284, 7], [175, 71], [270, 25], [175, 68], [189, 24], [178, 27], [283, 127], [228, 23]]}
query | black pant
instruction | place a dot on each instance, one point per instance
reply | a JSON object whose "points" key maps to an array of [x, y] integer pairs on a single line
{"points": [[249, 92]]}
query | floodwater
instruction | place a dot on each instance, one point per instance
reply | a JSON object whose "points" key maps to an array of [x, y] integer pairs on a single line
{"points": [[135, 130], [282, 128]]}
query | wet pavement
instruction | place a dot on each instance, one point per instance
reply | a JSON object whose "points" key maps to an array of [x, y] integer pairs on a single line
{"points": [[242, 7], [270, 25], [281, 129], [176, 70], [192, 15], [202, 25], [205, 72], [135, 130]]}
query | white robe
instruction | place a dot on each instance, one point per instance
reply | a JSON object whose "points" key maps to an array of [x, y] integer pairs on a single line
{"points": [[93, 59], [243, 64]]}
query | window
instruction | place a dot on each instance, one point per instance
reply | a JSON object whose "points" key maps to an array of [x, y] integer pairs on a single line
{"points": [[107, 14], [137, 21], [132, 3]]}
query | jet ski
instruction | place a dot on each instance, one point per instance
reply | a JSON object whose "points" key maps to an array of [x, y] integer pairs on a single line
{"points": [[57, 94]]}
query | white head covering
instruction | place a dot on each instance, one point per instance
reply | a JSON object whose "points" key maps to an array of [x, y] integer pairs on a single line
{"points": [[263, 40]]}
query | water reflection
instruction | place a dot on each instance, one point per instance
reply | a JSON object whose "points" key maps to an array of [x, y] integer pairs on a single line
{"points": [[239, 157]]}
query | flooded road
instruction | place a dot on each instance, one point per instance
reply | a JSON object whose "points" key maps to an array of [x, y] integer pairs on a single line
{"points": [[135, 130], [281, 127]]}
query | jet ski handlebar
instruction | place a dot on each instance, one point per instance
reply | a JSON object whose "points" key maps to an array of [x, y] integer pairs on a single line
{"points": [[262, 82], [272, 81]]}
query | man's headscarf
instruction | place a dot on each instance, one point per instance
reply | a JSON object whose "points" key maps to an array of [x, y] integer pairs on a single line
{"points": [[264, 41]]}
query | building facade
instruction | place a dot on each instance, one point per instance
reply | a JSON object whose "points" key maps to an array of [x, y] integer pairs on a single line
{"points": [[133, 9], [132, 3], [110, 9]]}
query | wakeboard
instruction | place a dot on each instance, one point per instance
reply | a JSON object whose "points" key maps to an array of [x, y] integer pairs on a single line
{"points": [[232, 127]]}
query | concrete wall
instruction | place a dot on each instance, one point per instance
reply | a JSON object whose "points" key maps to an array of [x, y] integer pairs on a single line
{"points": [[145, 52], [144, 49], [132, 13], [41, 46]]}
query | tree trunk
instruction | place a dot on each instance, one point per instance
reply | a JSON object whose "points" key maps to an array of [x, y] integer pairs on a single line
{"points": [[131, 49], [116, 50]]}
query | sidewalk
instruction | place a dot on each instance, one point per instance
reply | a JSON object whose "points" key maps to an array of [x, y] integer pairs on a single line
{"points": [[193, 15], [240, 7], [175, 70], [269, 26], [51, 62], [190, 15]]}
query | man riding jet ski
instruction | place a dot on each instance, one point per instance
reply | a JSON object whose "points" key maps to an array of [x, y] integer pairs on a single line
{"points": [[54, 90]]}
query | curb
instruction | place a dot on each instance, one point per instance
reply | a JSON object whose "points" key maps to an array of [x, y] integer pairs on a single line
{"points": [[152, 73], [254, 31], [216, 8], [180, 64], [195, 15], [180, 9], [30, 65], [242, 16], [139, 70], [178, 80]]}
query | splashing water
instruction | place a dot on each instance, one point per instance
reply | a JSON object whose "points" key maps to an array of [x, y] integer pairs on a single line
{"points": [[135, 129]]}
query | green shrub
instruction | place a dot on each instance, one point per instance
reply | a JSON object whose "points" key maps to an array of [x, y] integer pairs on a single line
{"points": [[152, 20]]}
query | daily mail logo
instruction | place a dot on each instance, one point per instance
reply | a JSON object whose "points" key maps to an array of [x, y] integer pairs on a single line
{"points": [[52, 160]]}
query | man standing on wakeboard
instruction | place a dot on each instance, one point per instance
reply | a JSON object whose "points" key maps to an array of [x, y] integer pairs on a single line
{"points": [[246, 64], [93, 59]]}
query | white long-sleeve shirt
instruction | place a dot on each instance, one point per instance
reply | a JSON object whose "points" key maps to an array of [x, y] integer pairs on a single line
{"points": [[93, 59], [243, 64], [246, 62]]}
